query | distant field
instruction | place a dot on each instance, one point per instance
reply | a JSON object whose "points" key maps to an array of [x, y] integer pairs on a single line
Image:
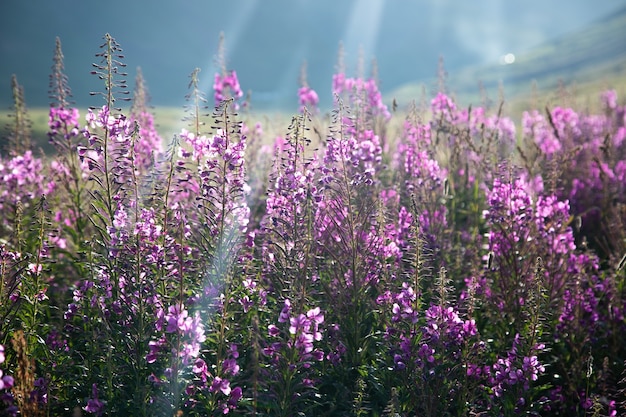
{"points": [[546, 91], [581, 96], [168, 119]]}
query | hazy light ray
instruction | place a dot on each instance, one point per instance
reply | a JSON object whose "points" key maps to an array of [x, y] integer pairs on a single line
{"points": [[362, 30], [231, 234], [290, 76], [232, 36]]}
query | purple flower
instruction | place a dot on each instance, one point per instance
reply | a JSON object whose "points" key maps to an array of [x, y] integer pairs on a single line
{"points": [[227, 86], [21, 180], [443, 107], [246, 303], [94, 405], [233, 351], [40, 391], [304, 342], [273, 330], [154, 350], [609, 99], [284, 313], [532, 367], [230, 366], [148, 143], [200, 368], [177, 319], [308, 99], [361, 93], [64, 120], [426, 352], [235, 395], [6, 381], [318, 355], [220, 384], [297, 323], [398, 361]]}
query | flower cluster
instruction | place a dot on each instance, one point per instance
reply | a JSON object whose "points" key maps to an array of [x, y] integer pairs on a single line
{"points": [[537, 127], [359, 155], [423, 171], [148, 145], [110, 138], [65, 122], [220, 177], [515, 370], [216, 382], [289, 201], [117, 128], [388, 247], [533, 229], [303, 332], [403, 304], [22, 180], [307, 98], [177, 320], [581, 303], [290, 354], [362, 93], [226, 86], [484, 128], [442, 332], [443, 109]]}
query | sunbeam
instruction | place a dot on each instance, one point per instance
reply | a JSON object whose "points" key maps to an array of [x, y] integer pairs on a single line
{"points": [[362, 30]]}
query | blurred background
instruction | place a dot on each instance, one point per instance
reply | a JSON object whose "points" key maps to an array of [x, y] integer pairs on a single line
{"points": [[488, 42]]}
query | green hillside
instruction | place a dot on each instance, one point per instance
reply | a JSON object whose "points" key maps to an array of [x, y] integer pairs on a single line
{"points": [[585, 61]]}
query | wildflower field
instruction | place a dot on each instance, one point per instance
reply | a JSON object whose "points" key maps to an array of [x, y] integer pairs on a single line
{"points": [[440, 261]]}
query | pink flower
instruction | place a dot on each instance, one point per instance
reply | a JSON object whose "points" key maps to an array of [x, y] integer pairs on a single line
{"points": [[308, 98], [273, 330], [220, 384]]}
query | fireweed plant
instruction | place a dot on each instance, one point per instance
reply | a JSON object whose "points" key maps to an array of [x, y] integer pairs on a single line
{"points": [[449, 263]]}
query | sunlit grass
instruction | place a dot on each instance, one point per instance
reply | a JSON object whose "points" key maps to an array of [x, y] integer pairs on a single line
{"points": [[169, 122], [580, 95]]}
